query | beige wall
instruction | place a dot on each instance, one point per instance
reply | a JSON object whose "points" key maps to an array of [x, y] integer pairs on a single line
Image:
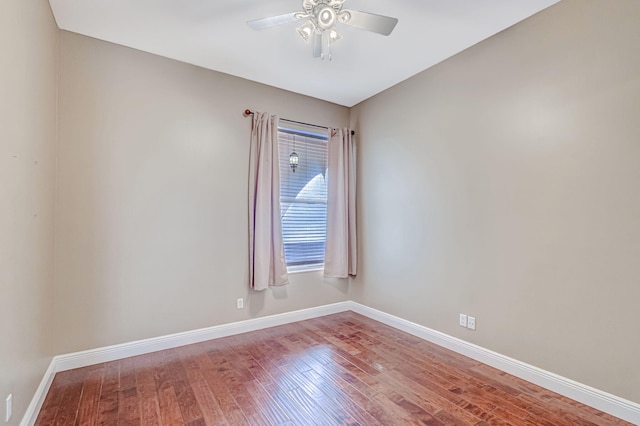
{"points": [[152, 197], [503, 183], [28, 55]]}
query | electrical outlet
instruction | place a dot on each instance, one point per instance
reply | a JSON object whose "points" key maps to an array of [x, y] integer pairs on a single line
{"points": [[463, 320], [8, 409], [240, 303], [471, 323]]}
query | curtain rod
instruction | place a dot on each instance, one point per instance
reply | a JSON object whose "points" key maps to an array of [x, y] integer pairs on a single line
{"points": [[248, 112]]}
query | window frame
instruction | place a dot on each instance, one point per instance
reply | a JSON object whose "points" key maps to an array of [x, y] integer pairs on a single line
{"points": [[283, 148]]}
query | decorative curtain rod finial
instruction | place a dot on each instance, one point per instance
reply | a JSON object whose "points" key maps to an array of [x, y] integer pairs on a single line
{"points": [[247, 112]]}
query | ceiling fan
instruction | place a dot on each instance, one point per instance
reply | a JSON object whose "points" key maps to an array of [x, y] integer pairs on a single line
{"points": [[320, 18]]}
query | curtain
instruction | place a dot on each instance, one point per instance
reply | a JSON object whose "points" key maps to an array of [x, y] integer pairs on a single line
{"points": [[341, 252], [267, 264]]}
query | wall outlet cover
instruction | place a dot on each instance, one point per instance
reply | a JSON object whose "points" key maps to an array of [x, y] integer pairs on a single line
{"points": [[471, 323]]}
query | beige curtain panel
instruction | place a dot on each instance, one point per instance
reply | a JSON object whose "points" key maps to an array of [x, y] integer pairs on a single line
{"points": [[267, 264], [341, 252]]}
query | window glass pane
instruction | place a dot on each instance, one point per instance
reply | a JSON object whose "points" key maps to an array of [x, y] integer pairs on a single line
{"points": [[303, 197]]}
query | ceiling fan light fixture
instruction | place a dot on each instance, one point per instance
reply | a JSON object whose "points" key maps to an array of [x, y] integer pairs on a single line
{"points": [[306, 30], [320, 18], [344, 16], [334, 36], [326, 18]]}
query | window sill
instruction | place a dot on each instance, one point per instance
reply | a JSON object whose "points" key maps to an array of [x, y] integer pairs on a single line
{"points": [[302, 269]]}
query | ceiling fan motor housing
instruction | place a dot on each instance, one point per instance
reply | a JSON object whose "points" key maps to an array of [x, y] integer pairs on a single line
{"points": [[319, 23], [325, 13]]}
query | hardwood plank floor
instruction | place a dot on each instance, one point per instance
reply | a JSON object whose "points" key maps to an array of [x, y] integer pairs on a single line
{"points": [[342, 369]]}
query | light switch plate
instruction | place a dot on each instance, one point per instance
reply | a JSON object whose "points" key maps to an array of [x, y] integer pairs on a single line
{"points": [[463, 320]]}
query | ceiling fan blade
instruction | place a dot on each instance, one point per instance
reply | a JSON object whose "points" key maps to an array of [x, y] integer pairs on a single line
{"points": [[369, 21], [317, 45], [272, 21]]}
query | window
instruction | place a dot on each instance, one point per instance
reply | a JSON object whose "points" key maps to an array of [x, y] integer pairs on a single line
{"points": [[303, 198]]}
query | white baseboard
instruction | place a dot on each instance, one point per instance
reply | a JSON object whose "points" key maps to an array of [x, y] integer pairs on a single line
{"points": [[603, 401], [140, 347], [33, 409], [616, 406]]}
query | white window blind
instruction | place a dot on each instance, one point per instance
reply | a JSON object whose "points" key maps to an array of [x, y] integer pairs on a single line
{"points": [[303, 197]]}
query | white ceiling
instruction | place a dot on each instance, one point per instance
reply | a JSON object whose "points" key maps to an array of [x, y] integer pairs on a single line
{"points": [[213, 34]]}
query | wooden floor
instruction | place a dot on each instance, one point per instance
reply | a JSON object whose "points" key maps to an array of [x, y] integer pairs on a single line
{"points": [[342, 369]]}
